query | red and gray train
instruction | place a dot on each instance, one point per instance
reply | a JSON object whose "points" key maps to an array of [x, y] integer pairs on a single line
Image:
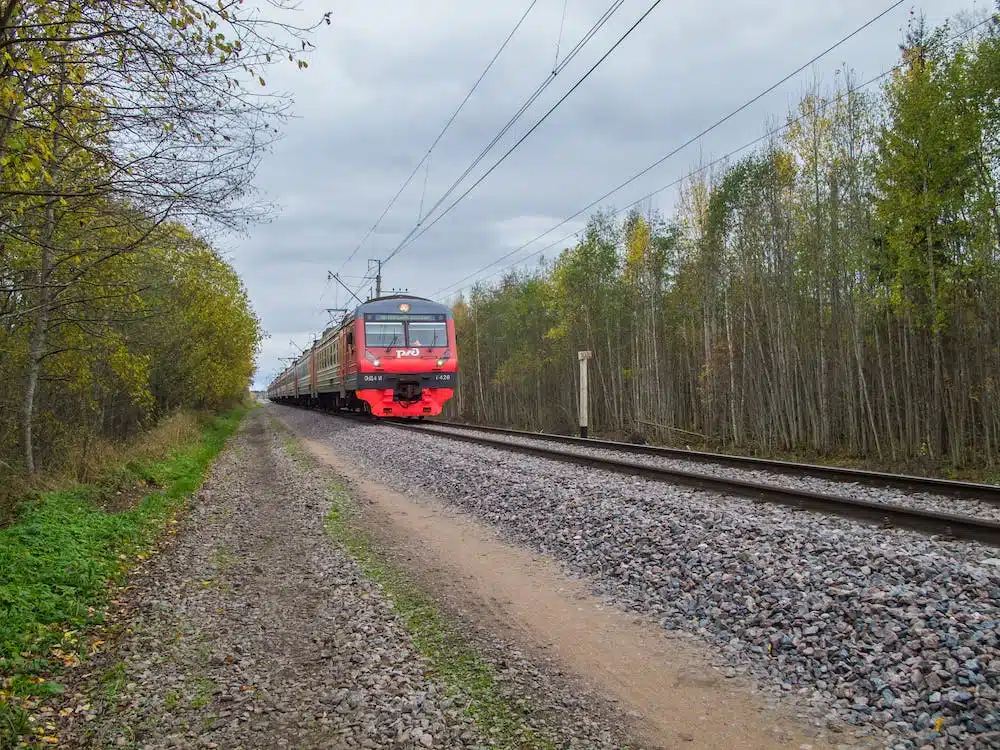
{"points": [[395, 356]]}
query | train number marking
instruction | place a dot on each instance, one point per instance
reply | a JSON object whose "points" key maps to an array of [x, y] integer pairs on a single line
{"points": [[407, 353]]}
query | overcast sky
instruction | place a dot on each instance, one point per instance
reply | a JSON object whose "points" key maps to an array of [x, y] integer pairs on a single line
{"points": [[386, 76]]}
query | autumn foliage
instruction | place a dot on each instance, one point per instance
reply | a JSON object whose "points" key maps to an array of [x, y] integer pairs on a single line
{"points": [[834, 291], [130, 131]]}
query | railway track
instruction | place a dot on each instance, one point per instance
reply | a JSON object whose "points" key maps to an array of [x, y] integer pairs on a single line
{"points": [[989, 493], [954, 525]]}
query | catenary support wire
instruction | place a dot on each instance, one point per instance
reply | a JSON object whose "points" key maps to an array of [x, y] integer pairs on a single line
{"points": [[690, 141], [760, 139]]}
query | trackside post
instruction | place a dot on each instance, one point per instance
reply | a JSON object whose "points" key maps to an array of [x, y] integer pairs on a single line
{"points": [[584, 356]]}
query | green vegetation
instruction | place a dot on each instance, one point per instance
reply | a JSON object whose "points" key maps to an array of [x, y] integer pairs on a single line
{"points": [[131, 134], [58, 561], [453, 659], [835, 292]]}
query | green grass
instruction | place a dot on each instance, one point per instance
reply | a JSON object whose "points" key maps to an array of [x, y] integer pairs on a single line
{"points": [[58, 561], [113, 680], [454, 660]]}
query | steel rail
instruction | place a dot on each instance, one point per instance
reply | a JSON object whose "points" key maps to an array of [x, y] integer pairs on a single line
{"points": [[989, 493], [943, 524]]}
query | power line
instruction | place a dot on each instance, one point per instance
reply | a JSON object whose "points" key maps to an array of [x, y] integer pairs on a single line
{"points": [[517, 115], [534, 127], [581, 43], [691, 140], [441, 134], [562, 23], [694, 172]]}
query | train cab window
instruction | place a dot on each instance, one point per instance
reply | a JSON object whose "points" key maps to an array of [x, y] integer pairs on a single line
{"points": [[384, 334], [428, 334]]}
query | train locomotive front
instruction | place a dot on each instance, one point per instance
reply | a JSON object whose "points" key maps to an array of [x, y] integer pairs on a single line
{"points": [[393, 356], [406, 354]]}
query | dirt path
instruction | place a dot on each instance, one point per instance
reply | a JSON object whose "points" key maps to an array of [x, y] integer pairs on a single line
{"points": [[253, 628], [665, 682]]}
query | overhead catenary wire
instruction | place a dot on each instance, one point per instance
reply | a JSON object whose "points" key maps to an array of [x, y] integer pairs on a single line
{"points": [[580, 44], [539, 90], [411, 237], [440, 135], [766, 136], [693, 139], [562, 23]]}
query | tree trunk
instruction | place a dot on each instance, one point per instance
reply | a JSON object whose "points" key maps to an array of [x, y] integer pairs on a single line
{"points": [[36, 348]]}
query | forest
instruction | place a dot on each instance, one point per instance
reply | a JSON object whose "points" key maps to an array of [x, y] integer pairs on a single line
{"points": [[834, 291], [130, 132]]}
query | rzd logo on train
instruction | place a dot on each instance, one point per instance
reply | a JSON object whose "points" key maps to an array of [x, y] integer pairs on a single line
{"points": [[407, 353]]}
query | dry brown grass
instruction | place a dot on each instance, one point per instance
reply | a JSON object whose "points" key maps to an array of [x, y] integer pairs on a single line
{"points": [[95, 459], [102, 456]]}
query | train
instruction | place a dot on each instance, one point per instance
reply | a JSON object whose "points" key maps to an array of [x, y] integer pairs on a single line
{"points": [[392, 357]]}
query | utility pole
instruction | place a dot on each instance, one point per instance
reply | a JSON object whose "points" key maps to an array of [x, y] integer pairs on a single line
{"points": [[378, 275]]}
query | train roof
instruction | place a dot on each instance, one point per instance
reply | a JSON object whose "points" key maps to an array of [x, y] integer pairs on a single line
{"points": [[404, 303]]}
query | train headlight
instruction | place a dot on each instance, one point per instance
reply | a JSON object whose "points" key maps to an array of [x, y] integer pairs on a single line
{"points": [[372, 358], [444, 358], [440, 363]]}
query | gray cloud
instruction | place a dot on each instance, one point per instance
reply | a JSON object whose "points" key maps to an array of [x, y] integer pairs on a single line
{"points": [[386, 76]]}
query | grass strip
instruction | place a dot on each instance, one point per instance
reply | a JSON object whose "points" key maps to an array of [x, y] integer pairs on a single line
{"points": [[454, 660], [60, 560]]}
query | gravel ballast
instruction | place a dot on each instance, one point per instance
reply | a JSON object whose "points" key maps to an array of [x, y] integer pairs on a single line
{"points": [[883, 629], [886, 495], [254, 629]]}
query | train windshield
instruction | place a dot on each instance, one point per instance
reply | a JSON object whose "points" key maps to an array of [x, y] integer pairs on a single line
{"points": [[427, 334], [384, 334], [428, 330]]}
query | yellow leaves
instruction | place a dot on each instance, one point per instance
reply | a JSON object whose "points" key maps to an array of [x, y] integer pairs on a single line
{"points": [[9, 95], [637, 246], [784, 166], [68, 658]]}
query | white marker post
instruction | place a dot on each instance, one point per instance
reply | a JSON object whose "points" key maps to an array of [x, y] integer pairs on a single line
{"points": [[584, 356]]}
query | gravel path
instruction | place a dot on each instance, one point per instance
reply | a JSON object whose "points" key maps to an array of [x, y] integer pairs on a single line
{"points": [[880, 628], [886, 495], [254, 630]]}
